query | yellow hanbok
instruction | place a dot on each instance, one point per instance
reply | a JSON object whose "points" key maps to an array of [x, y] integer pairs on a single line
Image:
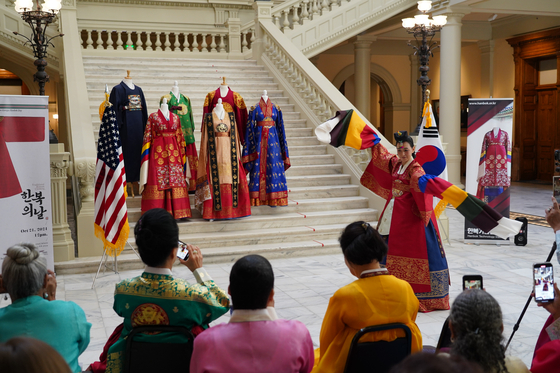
{"points": [[367, 301]]}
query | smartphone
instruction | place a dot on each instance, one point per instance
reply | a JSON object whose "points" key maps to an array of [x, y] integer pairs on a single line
{"points": [[543, 282], [556, 188], [183, 252], [472, 282]]}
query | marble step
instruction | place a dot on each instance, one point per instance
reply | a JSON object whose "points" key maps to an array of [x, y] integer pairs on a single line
{"points": [[294, 206], [283, 220], [294, 194], [141, 61], [128, 260], [307, 149], [183, 77], [248, 90]]}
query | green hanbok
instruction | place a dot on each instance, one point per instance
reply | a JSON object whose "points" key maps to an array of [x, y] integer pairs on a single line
{"points": [[182, 107]]}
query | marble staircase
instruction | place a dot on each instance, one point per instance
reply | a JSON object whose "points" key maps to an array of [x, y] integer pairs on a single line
{"points": [[321, 198]]}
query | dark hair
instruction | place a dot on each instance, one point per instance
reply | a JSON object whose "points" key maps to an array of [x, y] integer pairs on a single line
{"points": [[250, 282], [425, 362], [157, 234], [402, 136], [476, 321], [29, 355], [361, 244]]}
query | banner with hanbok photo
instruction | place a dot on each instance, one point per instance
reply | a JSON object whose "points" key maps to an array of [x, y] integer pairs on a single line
{"points": [[25, 189], [489, 135]]}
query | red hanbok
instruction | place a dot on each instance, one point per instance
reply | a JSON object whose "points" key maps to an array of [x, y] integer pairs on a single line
{"points": [[162, 174], [494, 158]]}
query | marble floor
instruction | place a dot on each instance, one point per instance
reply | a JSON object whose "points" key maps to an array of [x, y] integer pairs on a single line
{"points": [[303, 286]]}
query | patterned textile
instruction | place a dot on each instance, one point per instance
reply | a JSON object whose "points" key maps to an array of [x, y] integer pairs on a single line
{"points": [[153, 299], [233, 103], [162, 181], [132, 115], [494, 157], [265, 155], [221, 187], [182, 107], [423, 264]]}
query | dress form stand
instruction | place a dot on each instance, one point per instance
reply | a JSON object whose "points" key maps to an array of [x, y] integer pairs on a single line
{"points": [[128, 80], [223, 88], [175, 89], [219, 110], [164, 108], [265, 96]]}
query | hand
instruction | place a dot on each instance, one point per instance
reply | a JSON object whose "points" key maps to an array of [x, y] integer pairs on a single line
{"points": [[553, 307], [195, 258], [50, 288], [553, 215]]}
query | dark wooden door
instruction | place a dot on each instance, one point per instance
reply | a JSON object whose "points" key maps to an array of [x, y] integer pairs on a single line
{"points": [[528, 130], [546, 133]]}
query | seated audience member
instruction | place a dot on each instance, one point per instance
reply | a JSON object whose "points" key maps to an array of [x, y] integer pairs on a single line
{"points": [[375, 298], [30, 355], [34, 312], [254, 340], [425, 362], [547, 350], [476, 328], [156, 297]]}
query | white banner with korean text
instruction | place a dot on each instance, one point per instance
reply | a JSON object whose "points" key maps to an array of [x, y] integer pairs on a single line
{"points": [[25, 187]]}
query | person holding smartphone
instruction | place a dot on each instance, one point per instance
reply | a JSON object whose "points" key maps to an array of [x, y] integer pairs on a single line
{"points": [[547, 350], [156, 297]]}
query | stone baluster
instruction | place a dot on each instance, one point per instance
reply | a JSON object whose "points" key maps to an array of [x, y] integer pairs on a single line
{"points": [[158, 42], [204, 45], [99, 41], [304, 11], [244, 43], [63, 245], [324, 7], [213, 43], [195, 43], [176, 43], [334, 4], [119, 41], [166, 43], [315, 9], [276, 20], [253, 38], [295, 16], [286, 23], [128, 44], [222, 45], [89, 41], [149, 41]]}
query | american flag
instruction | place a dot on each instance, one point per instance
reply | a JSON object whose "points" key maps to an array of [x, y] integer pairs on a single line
{"points": [[111, 219]]}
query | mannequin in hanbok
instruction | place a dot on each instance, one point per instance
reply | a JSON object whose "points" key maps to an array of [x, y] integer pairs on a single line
{"points": [[265, 155], [416, 253], [232, 102], [132, 115], [495, 165], [165, 173], [221, 187], [180, 105]]}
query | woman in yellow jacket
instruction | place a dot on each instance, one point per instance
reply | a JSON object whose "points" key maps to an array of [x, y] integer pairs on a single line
{"points": [[375, 298]]}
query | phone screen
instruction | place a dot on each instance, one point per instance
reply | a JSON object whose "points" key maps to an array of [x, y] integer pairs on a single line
{"points": [[183, 252], [543, 279], [556, 188], [472, 284]]}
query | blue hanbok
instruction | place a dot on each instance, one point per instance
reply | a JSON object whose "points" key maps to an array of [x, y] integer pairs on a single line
{"points": [[265, 156]]}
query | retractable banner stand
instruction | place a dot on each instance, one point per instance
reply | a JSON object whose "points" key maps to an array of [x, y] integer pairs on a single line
{"points": [[25, 186], [489, 134]]}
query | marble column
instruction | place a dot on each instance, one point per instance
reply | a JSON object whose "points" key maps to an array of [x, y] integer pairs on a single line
{"points": [[450, 95], [362, 78], [62, 240], [486, 68], [415, 93]]}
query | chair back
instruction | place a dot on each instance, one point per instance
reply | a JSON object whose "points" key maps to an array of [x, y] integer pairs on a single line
{"points": [[444, 337], [151, 357], [379, 356]]}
